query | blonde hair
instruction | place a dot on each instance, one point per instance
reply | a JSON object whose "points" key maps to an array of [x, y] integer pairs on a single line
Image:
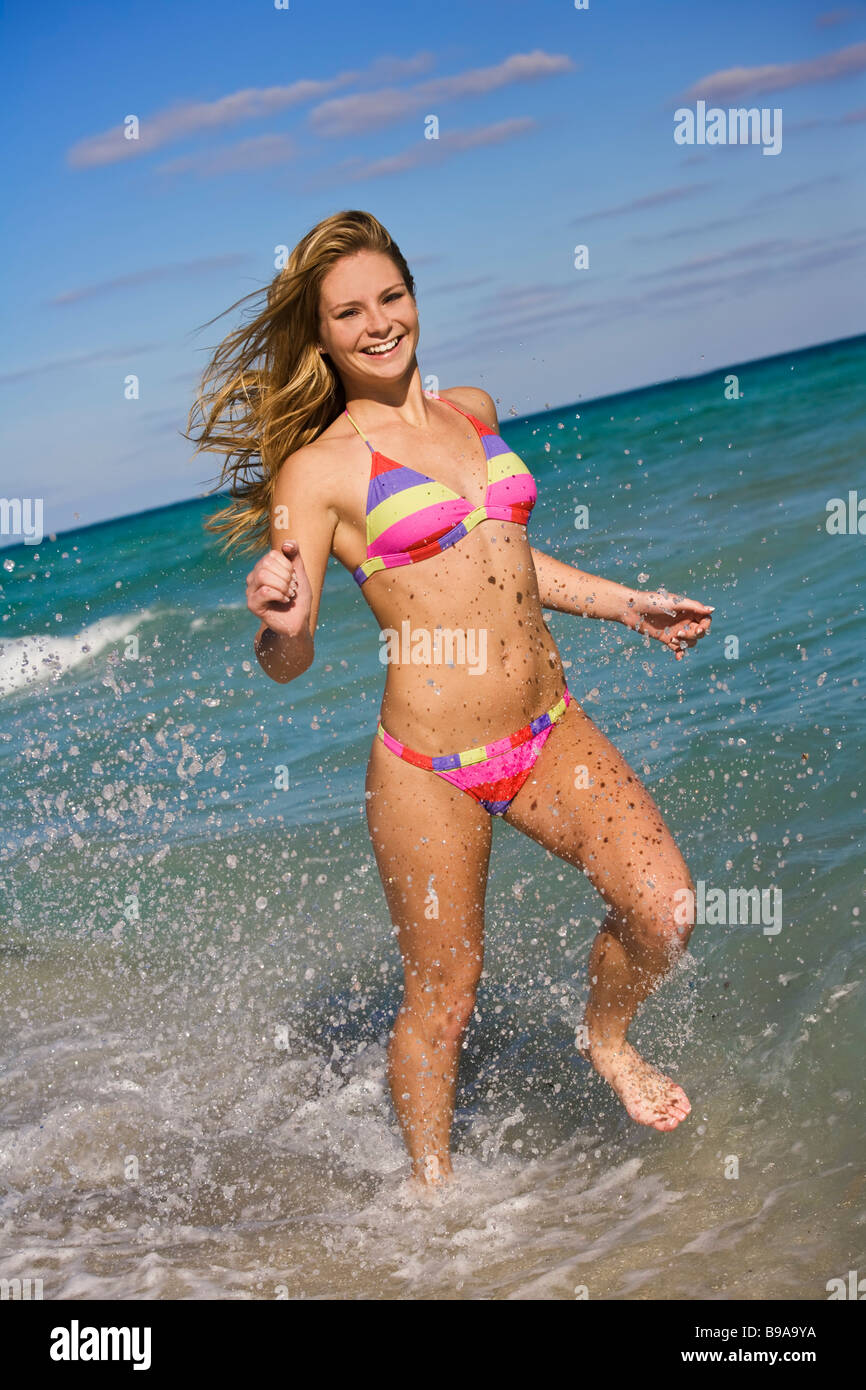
{"points": [[267, 390]]}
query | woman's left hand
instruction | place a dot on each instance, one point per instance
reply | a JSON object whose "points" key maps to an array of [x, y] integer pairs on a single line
{"points": [[672, 619]]}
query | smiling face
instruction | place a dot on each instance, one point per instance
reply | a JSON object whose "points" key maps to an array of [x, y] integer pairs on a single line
{"points": [[364, 306]]}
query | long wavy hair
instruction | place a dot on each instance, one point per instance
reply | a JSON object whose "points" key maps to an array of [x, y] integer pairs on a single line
{"points": [[267, 390]]}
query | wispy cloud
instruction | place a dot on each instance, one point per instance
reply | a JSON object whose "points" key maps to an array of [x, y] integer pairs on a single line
{"points": [[728, 84], [85, 359], [148, 276], [848, 246], [803, 258], [425, 153], [458, 286], [191, 118], [390, 68], [660, 198], [821, 122], [795, 190], [769, 265], [186, 118], [695, 230], [509, 311], [553, 307], [517, 301], [239, 158], [833, 17], [367, 111], [771, 248]]}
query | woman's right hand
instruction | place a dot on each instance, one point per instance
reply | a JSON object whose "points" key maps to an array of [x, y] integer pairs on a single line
{"points": [[278, 590]]}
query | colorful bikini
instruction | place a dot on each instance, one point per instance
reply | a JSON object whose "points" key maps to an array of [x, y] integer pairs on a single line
{"points": [[494, 773], [411, 517]]}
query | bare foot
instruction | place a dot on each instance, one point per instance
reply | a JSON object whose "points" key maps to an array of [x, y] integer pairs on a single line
{"points": [[650, 1097]]}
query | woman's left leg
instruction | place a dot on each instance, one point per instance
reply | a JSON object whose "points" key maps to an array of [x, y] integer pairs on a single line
{"points": [[584, 802]]}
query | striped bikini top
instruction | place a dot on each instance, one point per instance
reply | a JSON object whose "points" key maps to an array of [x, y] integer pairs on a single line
{"points": [[411, 517]]}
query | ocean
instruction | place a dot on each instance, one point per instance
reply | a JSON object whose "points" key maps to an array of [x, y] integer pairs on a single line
{"points": [[199, 970]]}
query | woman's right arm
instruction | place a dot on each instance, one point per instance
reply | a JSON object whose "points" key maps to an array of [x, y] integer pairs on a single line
{"points": [[285, 587]]}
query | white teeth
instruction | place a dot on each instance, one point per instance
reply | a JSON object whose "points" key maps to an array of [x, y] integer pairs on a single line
{"points": [[383, 347]]}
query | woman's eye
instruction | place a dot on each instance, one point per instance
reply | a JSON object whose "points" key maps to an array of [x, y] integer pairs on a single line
{"points": [[397, 294]]}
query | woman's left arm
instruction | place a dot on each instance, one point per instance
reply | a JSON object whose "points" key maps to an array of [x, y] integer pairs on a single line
{"points": [[677, 621]]}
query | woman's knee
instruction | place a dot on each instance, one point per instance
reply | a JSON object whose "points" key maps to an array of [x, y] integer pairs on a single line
{"points": [[443, 1010], [662, 919]]}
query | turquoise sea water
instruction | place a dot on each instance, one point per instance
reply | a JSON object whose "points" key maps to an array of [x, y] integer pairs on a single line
{"points": [[199, 969]]}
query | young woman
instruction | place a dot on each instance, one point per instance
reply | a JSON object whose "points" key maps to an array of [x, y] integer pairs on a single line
{"points": [[334, 448]]}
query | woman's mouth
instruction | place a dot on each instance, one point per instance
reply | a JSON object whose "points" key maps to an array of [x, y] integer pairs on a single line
{"points": [[383, 349]]}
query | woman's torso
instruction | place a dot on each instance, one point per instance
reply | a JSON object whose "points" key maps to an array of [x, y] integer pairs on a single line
{"points": [[467, 653]]}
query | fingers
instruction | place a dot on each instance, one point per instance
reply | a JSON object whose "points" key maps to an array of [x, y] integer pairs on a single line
{"points": [[272, 587], [680, 634], [687, 634], [273, 563], [684, 634], [676, 641], [695, 605], [267, 585], [270, 595], [278, 583], [274, 569], [661, 634], [675, 603]]}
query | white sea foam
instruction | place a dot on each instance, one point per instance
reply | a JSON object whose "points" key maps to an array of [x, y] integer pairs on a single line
{"points": [[40, 657]]}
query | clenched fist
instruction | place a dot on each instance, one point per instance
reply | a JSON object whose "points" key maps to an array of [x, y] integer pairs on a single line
{"points": [[278, 590]]}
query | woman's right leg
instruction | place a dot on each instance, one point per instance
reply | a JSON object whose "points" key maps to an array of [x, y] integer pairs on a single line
{"points": [[432, 847]]}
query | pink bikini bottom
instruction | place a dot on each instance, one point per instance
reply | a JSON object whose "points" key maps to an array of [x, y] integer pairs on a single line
{"points": [[494, 773]]}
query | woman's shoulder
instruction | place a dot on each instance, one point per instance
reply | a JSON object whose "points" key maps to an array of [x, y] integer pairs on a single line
{"points": [[477, 401], [323, 452], [317, 471]]}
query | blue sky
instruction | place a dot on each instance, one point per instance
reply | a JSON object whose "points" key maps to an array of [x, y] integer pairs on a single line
{"points": [[556, 129]]}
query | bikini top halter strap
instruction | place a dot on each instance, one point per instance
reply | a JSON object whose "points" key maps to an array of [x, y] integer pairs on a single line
{"points": [[361, 432]]}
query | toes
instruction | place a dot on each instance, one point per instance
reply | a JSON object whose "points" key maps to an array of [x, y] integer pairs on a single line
{"points": [[680, 1100], [681, 1111], [665, 1123], [673, 1107], [670, 1120]]}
